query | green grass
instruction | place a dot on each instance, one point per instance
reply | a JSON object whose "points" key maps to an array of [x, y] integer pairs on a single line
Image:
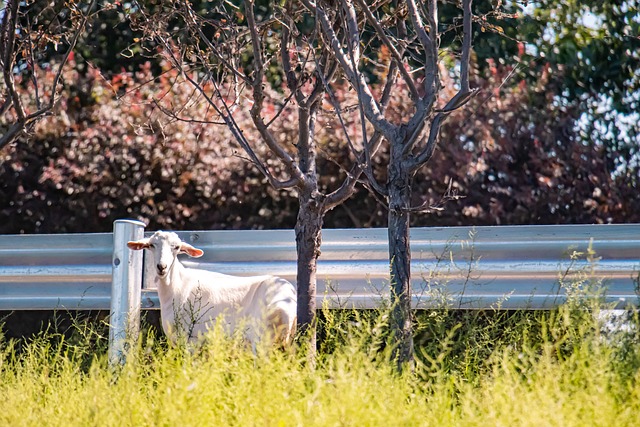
{"points": [[477, 369]]}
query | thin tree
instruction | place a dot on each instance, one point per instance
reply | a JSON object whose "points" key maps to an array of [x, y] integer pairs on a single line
{"points": [[409, 30], [29, 36], [210, 49]]}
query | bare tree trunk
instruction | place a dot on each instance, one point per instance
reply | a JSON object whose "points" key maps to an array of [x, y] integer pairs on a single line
{"points": [[308, 239], [308, 226], [400, 258], [413, 139]]}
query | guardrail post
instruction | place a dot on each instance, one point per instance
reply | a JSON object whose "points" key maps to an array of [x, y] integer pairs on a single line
{"points": [[126, 287]]}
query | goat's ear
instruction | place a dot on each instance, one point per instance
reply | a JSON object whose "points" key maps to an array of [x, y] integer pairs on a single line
{"points": [[186, 248], [139, 244]]}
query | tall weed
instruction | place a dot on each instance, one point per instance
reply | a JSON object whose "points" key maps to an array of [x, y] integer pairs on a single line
{"points": [[472, 368]]}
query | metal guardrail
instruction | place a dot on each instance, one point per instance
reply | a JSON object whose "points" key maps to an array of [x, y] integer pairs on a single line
{"points": [[45, 272], [505, 267]]}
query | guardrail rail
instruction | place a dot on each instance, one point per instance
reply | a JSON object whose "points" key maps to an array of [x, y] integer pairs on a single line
{"points": [[506, 267]]}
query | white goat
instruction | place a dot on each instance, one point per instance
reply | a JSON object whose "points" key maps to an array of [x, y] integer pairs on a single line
{"points": [[191, 300]]}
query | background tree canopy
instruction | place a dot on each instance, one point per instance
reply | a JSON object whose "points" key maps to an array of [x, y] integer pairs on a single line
{"points": [[552, 138]]}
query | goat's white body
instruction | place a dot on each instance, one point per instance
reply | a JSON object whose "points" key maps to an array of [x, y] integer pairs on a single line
{"points": [[191, 300]]}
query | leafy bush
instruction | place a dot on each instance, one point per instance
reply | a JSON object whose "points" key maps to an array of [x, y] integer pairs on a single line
{"points": [[102, 157], [109, 152]]}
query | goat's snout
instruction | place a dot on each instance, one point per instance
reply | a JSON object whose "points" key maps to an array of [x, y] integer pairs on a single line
{"points": [[162, 268]]}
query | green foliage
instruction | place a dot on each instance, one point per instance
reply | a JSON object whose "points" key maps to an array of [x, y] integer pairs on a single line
{"points": [[497, 28], [588, 52], [592, 47], [596, 45], [594, 50]]}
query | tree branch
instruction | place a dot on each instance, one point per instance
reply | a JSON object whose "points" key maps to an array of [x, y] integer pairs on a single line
{"points": [[258, 68], [196, 25], [357, 80], [429, 41], [11, 134], [457, 101], [224, 111], [394, 52], [72, 45], [8, 31], [8, 46], [292, 80], [233, 126], [466, 45], [258, 98], [362, 164]]}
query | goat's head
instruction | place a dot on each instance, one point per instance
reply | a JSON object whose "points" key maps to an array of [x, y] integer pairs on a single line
{"points": [[165, 247]]}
